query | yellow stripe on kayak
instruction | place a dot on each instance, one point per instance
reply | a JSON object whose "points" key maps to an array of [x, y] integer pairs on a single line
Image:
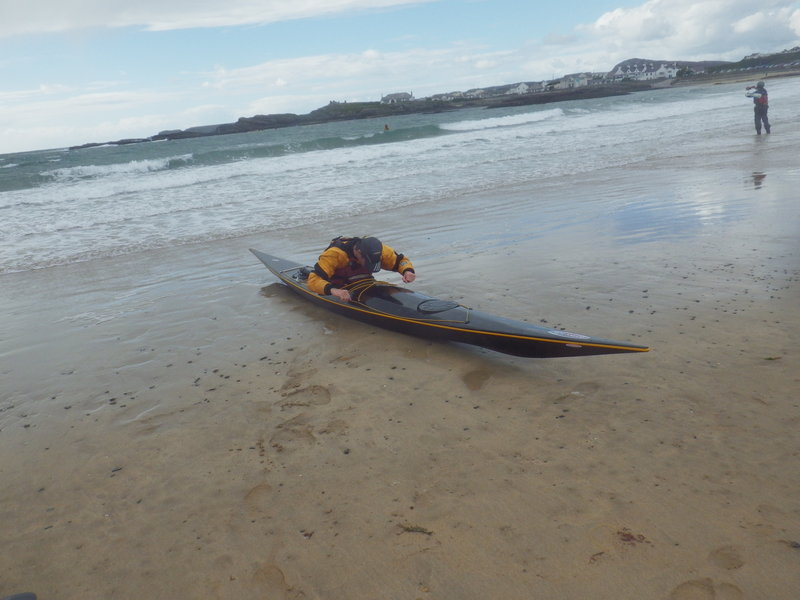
{"points": [[451, 328]]}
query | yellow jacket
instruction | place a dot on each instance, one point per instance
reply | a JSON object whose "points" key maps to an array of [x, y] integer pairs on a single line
{"points": [[336, 267]]}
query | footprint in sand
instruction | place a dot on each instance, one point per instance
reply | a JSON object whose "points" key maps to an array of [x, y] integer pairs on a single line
{"points": [[726, 557], [587, 388], [706, 589], [476, 379], [272, 583], [312, 395], [257, 498], [297, 429]]}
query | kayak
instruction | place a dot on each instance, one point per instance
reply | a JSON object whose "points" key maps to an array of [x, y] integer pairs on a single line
{"points": [[401, 309]]}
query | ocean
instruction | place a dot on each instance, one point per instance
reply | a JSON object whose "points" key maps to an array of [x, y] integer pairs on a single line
{"points": [[63, 206]]}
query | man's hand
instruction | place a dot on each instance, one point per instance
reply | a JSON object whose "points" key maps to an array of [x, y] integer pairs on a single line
{"points": [[409, 276], [341, 294]]}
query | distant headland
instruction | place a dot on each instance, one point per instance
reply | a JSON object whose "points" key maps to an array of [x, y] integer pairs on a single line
{"points": [[632, 75], [348, 111]]}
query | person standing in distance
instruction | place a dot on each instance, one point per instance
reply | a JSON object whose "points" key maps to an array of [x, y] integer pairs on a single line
{"points": [[760, 105]]}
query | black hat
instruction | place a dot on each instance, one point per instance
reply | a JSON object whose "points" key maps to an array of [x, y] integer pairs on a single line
{"points": [[371, 249]]}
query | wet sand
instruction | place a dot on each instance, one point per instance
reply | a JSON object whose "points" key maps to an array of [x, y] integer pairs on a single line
{"points": [[178, 425]]}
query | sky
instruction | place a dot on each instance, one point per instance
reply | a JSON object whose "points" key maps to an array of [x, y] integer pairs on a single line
{"points": [[78, 71]]}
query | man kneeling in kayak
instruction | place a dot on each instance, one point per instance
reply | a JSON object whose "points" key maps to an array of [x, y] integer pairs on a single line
{"points": [[350, 259]]}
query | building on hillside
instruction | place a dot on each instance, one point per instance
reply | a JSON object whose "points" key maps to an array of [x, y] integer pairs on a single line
{"points": [[397, 98], [577, 80], [522, 88], [525, 87], [530, 87], [574, 80], [666, 71], [476, 93], [447, 96], [646, 71]]}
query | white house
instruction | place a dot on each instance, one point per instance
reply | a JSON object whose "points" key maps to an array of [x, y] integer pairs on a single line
{"points": [[398, 97], [522, 88], [475, 93], [646, 71], [667, 71], [574, 80]]}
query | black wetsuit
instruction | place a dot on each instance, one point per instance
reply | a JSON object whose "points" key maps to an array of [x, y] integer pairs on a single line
{"points": [[760, 108]]}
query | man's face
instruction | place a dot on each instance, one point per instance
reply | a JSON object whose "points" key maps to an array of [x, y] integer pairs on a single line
{"points": [[359, 256]]}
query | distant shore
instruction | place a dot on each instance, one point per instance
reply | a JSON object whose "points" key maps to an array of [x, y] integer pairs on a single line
{"points": [[739, 76], [348, 111]]}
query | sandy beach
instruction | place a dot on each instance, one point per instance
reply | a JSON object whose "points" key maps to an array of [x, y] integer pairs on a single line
{"points": [[177, 425]]}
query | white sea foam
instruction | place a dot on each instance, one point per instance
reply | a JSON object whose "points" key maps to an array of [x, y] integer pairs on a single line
{"points": [[132, 167], [207, 190], [507, 121]]}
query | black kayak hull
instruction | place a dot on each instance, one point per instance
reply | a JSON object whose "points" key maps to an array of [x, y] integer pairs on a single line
{"points": [[400, 309]]}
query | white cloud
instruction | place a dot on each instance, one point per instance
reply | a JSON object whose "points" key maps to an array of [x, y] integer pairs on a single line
{"points": [[749, 23], [27, 136], [76, 111], [691, 30], [66, 117], [48, 16], [634, 24], [338, 70], [761, 23], [666, 30], [271, 105], [202, 110]]}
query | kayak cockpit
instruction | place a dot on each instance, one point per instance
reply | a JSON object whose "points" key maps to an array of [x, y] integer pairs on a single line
{"points": [[401, 302]]}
